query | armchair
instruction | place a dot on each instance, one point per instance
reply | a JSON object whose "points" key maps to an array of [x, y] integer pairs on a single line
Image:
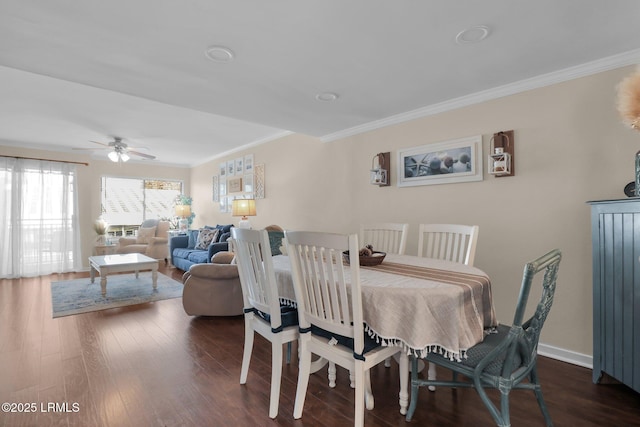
{"points": [[151, 241], [213, 289]]}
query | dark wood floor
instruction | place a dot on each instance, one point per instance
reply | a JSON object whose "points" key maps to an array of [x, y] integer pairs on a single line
{"points": [[152, 365]]}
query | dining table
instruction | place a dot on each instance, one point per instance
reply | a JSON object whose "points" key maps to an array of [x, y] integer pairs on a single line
{"points": [[420, 304]]}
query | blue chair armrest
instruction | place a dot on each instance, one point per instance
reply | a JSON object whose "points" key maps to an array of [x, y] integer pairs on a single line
{"points": [[177, 242]]}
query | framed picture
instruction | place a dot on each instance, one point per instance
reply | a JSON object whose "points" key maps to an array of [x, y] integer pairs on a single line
{"points": [[223, 188], [216, 188], [447, 162], [234, 185], [239, 162], [248, 163], [247, 182], [223, 170], [223, 204], [231, 168]]}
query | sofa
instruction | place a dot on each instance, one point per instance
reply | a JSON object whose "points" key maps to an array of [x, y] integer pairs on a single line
{"points": [[213, 289], [151, 240], [195, 248]]}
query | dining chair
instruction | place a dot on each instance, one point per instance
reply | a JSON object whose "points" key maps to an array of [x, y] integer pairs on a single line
{"points": [[386, 237], [450, 242], [329, 298], [507, 357], [262, 310]]}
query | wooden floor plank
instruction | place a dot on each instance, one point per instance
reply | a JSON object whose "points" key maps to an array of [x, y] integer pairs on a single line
{"points": [[153, 365]]}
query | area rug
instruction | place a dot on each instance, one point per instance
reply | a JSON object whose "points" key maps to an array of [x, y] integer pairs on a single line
{"points": [[81, 296]]}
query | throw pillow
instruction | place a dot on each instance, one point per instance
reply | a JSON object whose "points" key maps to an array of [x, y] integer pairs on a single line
{"points": [[145, 235], [193, 238], [275, 241], [205, 237], [224, 229]]}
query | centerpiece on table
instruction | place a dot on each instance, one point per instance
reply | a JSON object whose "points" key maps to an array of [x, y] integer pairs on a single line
{"points": [[367, 256]]}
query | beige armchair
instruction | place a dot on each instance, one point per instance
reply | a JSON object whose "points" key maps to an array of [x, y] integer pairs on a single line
{"points": [[152, 240], [213, 289]]}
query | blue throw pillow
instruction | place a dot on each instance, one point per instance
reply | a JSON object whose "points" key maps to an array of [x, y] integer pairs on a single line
{"points": [[275, 241], [223, 230], [193, 238]]}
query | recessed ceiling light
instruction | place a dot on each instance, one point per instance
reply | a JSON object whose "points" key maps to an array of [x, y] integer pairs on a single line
{"points": [[327, 96], [219, 54], [472, 35]]}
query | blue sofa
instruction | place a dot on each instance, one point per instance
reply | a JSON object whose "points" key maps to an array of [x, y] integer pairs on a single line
{"points": [[184, 254]]}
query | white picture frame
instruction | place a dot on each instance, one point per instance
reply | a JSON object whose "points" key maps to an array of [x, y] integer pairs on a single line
{"points": [[248, 163], [239, 166], [247, 183], [231, 168], [447, 162]]}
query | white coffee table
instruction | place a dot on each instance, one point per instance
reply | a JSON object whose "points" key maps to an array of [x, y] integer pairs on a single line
{"points": [[107, 264]]}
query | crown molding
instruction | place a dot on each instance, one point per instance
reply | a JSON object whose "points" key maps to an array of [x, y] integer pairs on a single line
{"points": [[246, 146], [571, 73]]}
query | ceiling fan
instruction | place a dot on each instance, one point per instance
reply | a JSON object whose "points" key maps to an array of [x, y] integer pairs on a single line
{"points": [[120, 151]]}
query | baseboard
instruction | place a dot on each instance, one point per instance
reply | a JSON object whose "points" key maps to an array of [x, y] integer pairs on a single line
{"points": [[564, 355]]}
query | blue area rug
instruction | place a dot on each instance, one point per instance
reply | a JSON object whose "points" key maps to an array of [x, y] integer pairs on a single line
{"points": [[81, 296]]}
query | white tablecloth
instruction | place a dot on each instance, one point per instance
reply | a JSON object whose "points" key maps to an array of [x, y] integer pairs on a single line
{"points": [[420, 304]]}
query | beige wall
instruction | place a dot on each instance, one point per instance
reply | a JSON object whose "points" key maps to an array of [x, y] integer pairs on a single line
{"points": [[570, 148], [89, 183]]}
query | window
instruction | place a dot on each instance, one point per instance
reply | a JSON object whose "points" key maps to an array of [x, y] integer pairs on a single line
{"points": [[39, 233], [126, 202]]}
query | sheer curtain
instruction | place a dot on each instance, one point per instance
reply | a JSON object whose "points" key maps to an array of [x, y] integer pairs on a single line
{"points": [[39, 230]]}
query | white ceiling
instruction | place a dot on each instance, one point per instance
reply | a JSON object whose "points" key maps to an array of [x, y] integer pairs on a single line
{"points": [[78, 71]]}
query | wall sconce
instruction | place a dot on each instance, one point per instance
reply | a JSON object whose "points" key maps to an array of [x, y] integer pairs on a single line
{"points": [[184, 212], [501, 154], [380, 169], [243, 208]]}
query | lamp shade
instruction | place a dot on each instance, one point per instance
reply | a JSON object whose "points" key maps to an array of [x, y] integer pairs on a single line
{"points": [[183, 211], [243, 207]]}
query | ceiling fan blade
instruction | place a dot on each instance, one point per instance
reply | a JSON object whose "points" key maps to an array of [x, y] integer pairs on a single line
{"points": [[137, 153], [101, 143]]}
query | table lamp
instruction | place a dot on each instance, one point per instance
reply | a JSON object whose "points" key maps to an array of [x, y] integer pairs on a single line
{"points": [[243, 208], [184, 212]]}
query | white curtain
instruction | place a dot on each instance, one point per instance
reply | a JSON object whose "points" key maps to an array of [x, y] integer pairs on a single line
{"points": [[39, 231]]}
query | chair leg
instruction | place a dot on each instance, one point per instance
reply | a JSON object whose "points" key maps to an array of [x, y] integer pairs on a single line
{"points": [[248, 348], [404, 382], [431, 375], [360, 392], [387, 362], [498, 417], [414, 388], [288, 352], [533, 378], [331, 373], [369, 402], [276, 378], [303, 379]]}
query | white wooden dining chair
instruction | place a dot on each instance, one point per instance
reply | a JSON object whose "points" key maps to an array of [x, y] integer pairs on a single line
{"points": [[329, 300], [449, 242], [262, 310], [386, 237]]}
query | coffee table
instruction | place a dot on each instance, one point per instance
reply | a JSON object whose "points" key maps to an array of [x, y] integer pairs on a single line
{"points": [[108, 264]]}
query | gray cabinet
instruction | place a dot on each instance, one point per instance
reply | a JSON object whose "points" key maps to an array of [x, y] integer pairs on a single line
{"points": [[615, 228]]}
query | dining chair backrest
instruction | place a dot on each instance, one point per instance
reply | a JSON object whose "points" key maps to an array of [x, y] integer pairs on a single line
{"points": [[449, 242], [257, 277], [328, 293], [386, 237]]}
